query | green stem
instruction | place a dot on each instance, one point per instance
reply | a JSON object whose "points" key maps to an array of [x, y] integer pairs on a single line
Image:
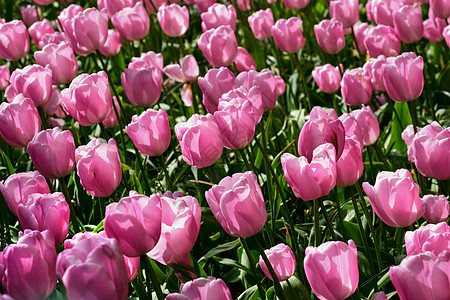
{"points": [[142, 168], [151, 273], [253, 268], [316, 222], [413, 115], [303, 80], [166, 173], [44, 119], [75, 221], [327, 219], [244, 158]]}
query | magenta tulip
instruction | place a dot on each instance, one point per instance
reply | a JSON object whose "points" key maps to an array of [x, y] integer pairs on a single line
{"points": [[219, 14], [261, 23], [433, 28], [14, 40], [282, 260], [142, 86], [244, 61], [352, 128], [361, 31], [350, 167], [356, 88], [408, 135], [186, 71], [280, 85], [408, 23], [174, 19], [374, 68], [151, 4], [440, 8], [264, 81], [382, 40], [112, 45], [39, 29], [203, 289], [68, 13], [203, 5], [327, 78], [295, 4], [149, 59], [288, 34], [53, 105], [368, 123], [215, 83], [382, 11], [244, 5], [446, 34], [330, 35], [30, 14], [435, 208], [114, 6], [111, 119], [49, 38], [5, 75], [133, 23], [219, 46], [432, 237], [346, 11]]}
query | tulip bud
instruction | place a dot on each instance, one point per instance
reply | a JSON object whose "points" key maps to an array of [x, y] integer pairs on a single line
{"points": [[215, 83], [288, 34], [4, 77], [39, 29], [238, 204], [368, 123], [382, 40], [282, 260], [112, 45], [29, 14], [265, 81], [327, 78], [133, 23], [244, 61], [209, 287], [174, 19], [217, 15], [350, 167], [186, 71], [330, 35], [295, 4], [408, 23], [346, 11], [432, 237], [14, 40], [219, 46], [261, 23], [355, 87]]}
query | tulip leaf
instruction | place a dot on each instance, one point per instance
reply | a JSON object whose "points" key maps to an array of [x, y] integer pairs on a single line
{"points": [[8, 163], [217, 250], [231, 262], [396, 133], [293, 288], [249, 293]]}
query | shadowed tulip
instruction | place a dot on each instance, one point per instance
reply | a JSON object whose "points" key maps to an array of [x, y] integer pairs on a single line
{"points": [[368, 123], [215, 83], [30, 14], [346, 11], [282, 260], [5, 75], [350, 167], [264, 81], [435, 208], [261, 23], [244, 61], [356, 88], [327, 77], [113, 43], [203, 289], [295, 4], [408, 23], [142, 85]]}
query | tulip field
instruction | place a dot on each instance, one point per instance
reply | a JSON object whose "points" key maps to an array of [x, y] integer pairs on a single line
{"points": [[224, 149]]}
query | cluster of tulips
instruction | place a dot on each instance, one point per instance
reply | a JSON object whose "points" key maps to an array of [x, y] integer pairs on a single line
{"points": [[180, 117]]}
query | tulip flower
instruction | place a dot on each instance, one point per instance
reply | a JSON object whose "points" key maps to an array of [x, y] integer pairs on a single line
{"points": [[432, 237], [265, 81], [382, 11], [280, 85], [14, 40], [111, 119], [261, 23], [311, 180], [88, 99], [49, 38], [282, 260], [114, 6], [368, 123], [29, 266], [219, 14], [446, 34], [350, 167], [244, 5], [30, 14], [440, 8], [151, 4], [433, 28], [150, 132], [53, 105], [181, 216], [361, 31], [4, 77], [186, 71], [295, 4], [382, 40], [408, 23], [288, 34], [149, 59], [174, 19], [46, 212], [133, 23], [238, 204], [408, 135], [346, 11], [200, 140], [327, 78], [379, 296], [142, 86], [374, 68], [356, 88], [39, 29], [244, 61], [112, 45], [332, 269], [17, 187], [352, 129], [43, 2], [98, 166], [330, 35], [215, 83], [219, 46], [435, 208], [68, 13], [203, 288], [395, 198]]}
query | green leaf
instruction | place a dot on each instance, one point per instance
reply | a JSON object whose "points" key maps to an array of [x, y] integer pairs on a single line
{"points": [[249, 293], [293, 288], [217, 250], [396, 133]]}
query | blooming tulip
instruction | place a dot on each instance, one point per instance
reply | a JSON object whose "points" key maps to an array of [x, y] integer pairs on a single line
{"points": [[219, 46], [434, 238], [382, 11], [408, 23], [112, 45], [327, 78], [238, 204], [4, 77], [203, 289], [330, 35], [435, 208], [215, 83], [433, 28], [382, 40], [150, 132], [14, 40], [368, 123], [244, 5], [374, 69], [39, 29], [98, 166], [361, 30], [440, 8], [142, 86], [30, 14], [244, 61], [151, 4], [332, 269], [217, 15], [133, 23], [282, 260], [355, 87], [186, 71], [346, 11], [352, 128], [350, 167], [395, 198], [49, 38], [68, 13], [288, 34], [174, 19], [148, 59], [261, 23], [295, 4], [114, 6], [200, 140], [264, 80]]}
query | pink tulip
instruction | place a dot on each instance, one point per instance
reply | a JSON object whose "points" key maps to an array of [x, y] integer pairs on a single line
{"points": [[88, 99], [282, 260], [142, 86], [431, 279], [46, 212], [352, 128], [253, 96], [435, 208], [346, 11], [288, 34], [280, 85], [186, 71], [264, 80], [369, 12], [244, 5], [446, 35], [440, 8], [382, 11], [203, 5], [382, 40], [327, 78], [43, 2], [244, 61], [361, 31], [219, 46], [186, 94], [330, 35], [395, 198], [215, 83], [379, 296], [174, 19], [87, 31], [14, 40], [114, 6], [408, 135], [39, 29], [350, 167], [368, 123], [408, 23], [133, 23], [112, 45], [111, 119], [403, 77], [374, 68], [217, 15], [332, 269], [17, 187], [312, 180], [203, 288], [261, 23], [53, 105], [19, 121], [200, 140], [99, 168], [29, 266], [181, 216], [433, 28], [49, 38], [238, 204], [151, 4], [62, 61], [150, 132], [295, 4], [355, 87], [30, 14], [68, 13], [4, 77], [432, 237], [149, 59]]}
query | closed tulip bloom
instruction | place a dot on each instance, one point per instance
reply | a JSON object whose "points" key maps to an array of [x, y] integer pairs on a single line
{"points": [[49, 38], [33, 81], [53, 152], [87, 31], [440, 8], [346, 11], [264, 81], [114, 6], [29, 266], [356, 88], [181, 216], [374, 68], [39, 29], [431, 277], [280, 85], [150, 132], [435, 208], [203, 5], [62, 61], [151, 4], [327, 77], [219, 46], [148, 59], [361, 31], [203, 289], [408, 135], [215, 83], [432, 237], [98, 166], [403, 77], [368, 123], [395, 198], [238, 204], [135, 222], [295, 4], [19, 121], [46, 212], [244, 5], [4, 77], [282, 260], [332, 269], [88, 99], [186, 71], [142, 86], [382, 11], [29, 14], [311, 180], [174, 19], [288, 34], [133, 23], [330, 35], [408, 23], [112, 45], [433, 28], [382, 40], [14, 40], [200, 140], [219, 14], [350, 167], [17, 187], [68, 13], [93, 268], [261, 23], [244, 61], [352, 128]]}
